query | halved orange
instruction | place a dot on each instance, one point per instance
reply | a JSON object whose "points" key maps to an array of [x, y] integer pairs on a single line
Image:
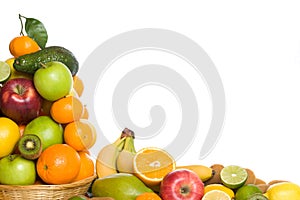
{"points": [[152, 164]]}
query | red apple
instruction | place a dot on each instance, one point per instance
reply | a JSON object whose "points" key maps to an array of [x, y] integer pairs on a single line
{"points": [[19, 100], [182, 184]]}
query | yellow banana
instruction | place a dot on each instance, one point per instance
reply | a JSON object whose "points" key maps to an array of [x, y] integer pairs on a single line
{"points": [[202, 171], [107, 157], [125, 158]]}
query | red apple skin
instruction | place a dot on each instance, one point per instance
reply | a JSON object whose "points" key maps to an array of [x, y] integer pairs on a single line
{"points": [[181, 184], [19, 100]]}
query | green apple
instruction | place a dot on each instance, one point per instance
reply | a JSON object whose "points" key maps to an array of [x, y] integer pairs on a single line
{"points": [[16, 170], [53, 81], [46, 129]]}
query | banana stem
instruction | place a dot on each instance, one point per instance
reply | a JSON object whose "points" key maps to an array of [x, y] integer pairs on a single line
{"points": [[129, 145]]}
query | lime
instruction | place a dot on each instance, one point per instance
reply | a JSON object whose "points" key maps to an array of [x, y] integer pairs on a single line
{"points": [[233, 176], [244, 192], [4, 71], [216, 195], [257, 197]]}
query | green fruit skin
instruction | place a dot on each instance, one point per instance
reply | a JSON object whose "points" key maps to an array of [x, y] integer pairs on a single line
{"points": [[244, 192], [30, 63], [16, 170], [119, 186], [53, 81], [46, 129]]}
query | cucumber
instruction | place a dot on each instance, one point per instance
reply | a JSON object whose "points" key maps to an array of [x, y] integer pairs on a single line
{"points": [[29, 63]]}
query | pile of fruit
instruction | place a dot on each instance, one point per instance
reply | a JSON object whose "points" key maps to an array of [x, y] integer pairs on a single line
{"points": [[45, 137], [151, 173], [45, 133]]}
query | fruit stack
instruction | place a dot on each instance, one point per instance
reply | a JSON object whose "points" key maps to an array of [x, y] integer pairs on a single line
{"points": [[151, 173], [45, 133]]}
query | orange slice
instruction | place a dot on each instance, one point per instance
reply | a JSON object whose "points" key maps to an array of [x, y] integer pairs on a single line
{"points": [[152, 164]]}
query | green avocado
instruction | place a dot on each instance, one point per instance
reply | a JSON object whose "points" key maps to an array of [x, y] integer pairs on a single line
{"points": [[29, 63], [119, 186]]}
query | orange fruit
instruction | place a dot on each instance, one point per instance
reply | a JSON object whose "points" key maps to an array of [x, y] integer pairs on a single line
{"points": [[58, 164], [9, 136], [152, 164], [81, 135], [85, 114], [22, 45], [66, 109], [21, 129], [78, 85], [87, 166], [148, 196]]}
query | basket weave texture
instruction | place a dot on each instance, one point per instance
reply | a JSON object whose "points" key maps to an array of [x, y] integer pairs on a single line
{"points": [[41, 192]]}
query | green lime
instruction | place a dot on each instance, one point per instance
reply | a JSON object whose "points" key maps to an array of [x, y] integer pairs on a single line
{"points": [[4, 71], [233, 176], [257, 197], [244, 192]]}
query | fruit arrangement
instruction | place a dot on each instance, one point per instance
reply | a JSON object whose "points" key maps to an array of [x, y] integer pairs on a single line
{"points": [[151, 173], [45, 137], [45, 133]]}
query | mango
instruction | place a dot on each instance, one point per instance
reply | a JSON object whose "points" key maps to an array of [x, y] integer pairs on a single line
{"points": [[119, 186]]}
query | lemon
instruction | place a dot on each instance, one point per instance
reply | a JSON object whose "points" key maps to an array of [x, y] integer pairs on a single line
{"points": [[216, 195], [9, 136], [220, 187], [284, 190]]}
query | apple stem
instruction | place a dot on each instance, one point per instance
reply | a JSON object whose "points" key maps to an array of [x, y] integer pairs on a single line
{"points": [[43, 65], [184, 190], [19, 90]]}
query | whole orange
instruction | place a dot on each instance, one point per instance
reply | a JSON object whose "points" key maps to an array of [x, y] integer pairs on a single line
{"points": [[58, 164], [87, 167], [9, 136], [67, 109], [148, 196], [22, 45], [81, 135]]}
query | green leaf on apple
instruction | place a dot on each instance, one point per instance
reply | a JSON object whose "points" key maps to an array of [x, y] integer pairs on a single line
{"points": [[36, 30]]}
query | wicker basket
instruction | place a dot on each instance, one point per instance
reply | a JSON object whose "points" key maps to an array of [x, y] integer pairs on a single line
{"points": [[35, 192]]}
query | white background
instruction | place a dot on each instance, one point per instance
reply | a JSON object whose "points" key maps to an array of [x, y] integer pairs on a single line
{"points": [[255, 46]]}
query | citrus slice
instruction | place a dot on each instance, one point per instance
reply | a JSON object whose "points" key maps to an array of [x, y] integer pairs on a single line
{"points": [[152, 164], [4, 71], [216, 195], [220, 187], [233, 176]]}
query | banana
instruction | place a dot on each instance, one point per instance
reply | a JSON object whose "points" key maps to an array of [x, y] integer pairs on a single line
{"points": [[202, 171], [125, 158], [107, 157]]}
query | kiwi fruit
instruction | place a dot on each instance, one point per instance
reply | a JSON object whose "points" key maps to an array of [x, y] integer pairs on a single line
{"points": [[251, 177], [30, 146], [217, 168]]}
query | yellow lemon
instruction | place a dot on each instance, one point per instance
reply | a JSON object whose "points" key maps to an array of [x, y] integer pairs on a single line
{"points": [[221, 187], [284, 190], [9, 136]]}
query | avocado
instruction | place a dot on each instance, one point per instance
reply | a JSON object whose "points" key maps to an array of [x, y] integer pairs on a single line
{"points": [[29, 63]]}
